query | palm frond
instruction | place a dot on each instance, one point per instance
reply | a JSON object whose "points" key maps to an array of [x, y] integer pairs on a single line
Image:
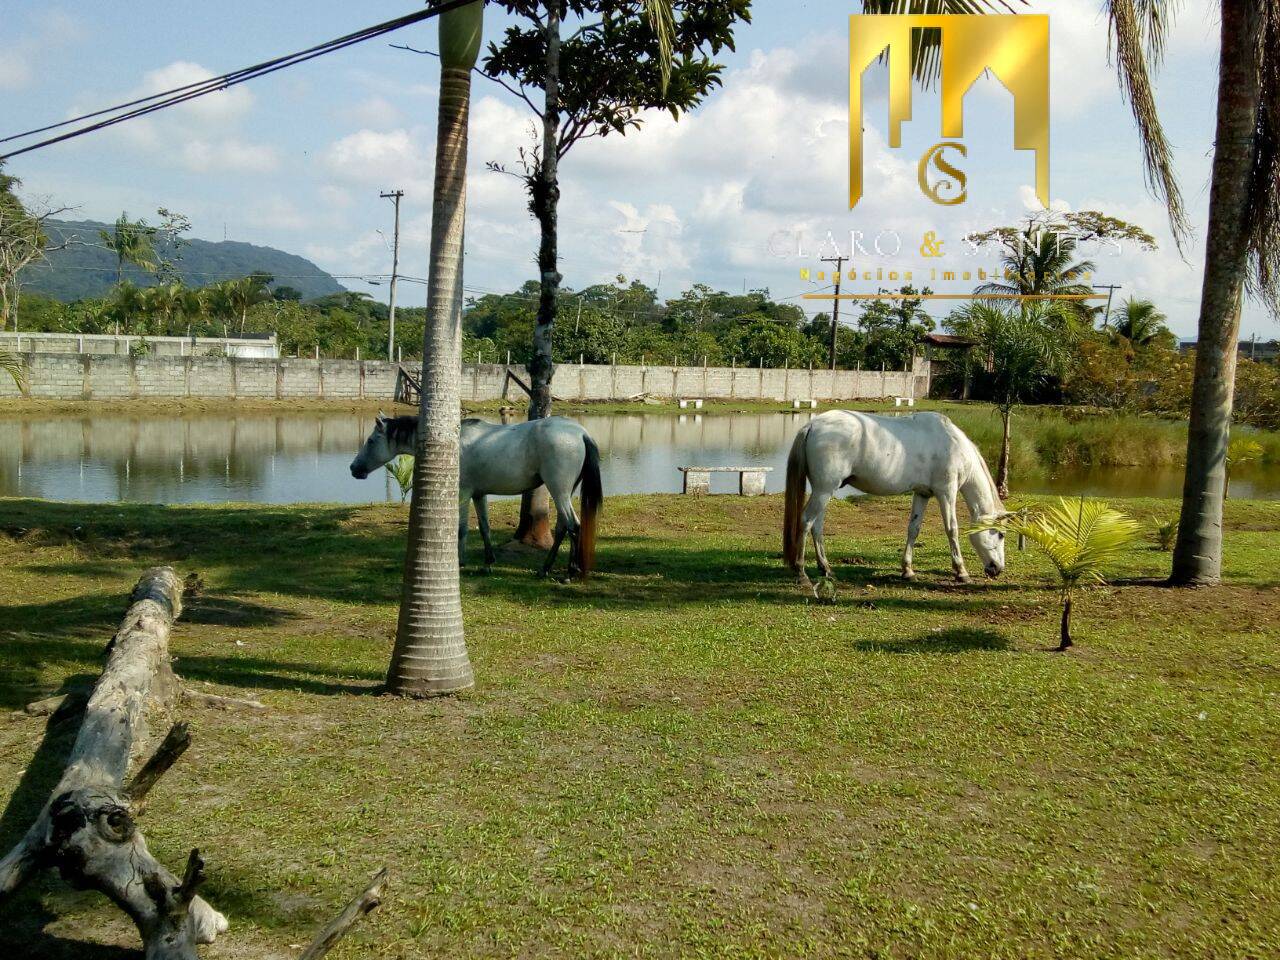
{"points": [[926, 45], [401, 468], [12, 365], [1264, 193], [662, 21], [1138, 29], [1080, 537]]}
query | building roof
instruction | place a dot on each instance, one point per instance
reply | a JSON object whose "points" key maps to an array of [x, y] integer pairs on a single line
{"points": [[949, 341]]}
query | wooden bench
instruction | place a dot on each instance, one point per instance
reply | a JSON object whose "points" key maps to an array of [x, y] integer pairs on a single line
{"points": [[697, 480]]}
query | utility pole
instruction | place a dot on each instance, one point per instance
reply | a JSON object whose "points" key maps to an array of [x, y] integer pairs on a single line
{"points": [[1111, 289], [835, 303], [394, 196]]}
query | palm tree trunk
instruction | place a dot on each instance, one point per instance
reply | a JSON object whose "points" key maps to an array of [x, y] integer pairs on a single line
{"points": [[535, 507], [1002, 469], [1197, 557], [1064, 641], [430, 653]]}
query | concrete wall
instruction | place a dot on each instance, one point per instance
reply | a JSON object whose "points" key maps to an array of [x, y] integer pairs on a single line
{"points": [[110, 345], [69, 376]]}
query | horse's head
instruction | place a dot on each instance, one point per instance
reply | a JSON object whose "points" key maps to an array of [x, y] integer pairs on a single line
{"points": [[990, 547], [376, 451]]}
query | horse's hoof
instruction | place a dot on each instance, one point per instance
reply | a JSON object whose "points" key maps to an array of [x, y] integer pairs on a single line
{"points": [[963, 578], [908, 574]]}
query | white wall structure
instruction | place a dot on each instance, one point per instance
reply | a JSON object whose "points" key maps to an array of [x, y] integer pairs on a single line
{"points": [[69, 375]]}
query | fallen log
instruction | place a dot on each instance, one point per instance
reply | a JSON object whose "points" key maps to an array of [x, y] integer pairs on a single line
{"points": [[87, 830]]}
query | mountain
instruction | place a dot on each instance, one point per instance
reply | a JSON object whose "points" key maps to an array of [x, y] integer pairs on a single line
{"points": [[85, 269]]}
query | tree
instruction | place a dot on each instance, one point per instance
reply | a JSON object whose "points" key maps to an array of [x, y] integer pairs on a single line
{"points": [[626, 57], [1022, 349], [430, 653], [128, 306], [891, 330], [1080, 538], [132, 241], [22, 242], [1142, 325], [246, 293], [164, 303]]}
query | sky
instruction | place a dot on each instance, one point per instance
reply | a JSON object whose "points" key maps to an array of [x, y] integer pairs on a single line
{"points": [[739, 194]]}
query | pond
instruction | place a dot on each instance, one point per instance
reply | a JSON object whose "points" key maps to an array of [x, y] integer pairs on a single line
{"points": [[297, 458]]}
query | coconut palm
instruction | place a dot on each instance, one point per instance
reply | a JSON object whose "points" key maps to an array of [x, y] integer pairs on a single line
{"points": [[132, 242], [1242, 248], [1041, 264], [1021, 349], [1142, 324], [1080, 538], [430, 653]]}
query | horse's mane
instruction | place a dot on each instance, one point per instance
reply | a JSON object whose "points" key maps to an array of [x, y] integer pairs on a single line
{"points": [[402, 428], [986, 471]]}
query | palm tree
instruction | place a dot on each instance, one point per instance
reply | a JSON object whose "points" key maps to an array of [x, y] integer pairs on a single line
{"points": [[430, 653], [1022, 348], [1142, 324], [245, 294], [130, 306], [1242, 247], [1079, 538], [164, 303], [131, 241], [1041, 263]]}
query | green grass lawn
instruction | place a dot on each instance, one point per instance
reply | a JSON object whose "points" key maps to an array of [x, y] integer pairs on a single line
{"points": [[683, 757]]}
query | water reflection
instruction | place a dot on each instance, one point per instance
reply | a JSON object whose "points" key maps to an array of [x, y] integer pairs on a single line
{"points": [[273, 458]]}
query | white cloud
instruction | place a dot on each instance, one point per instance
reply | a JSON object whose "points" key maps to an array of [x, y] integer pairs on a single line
{"points": [[375, 112], [374, 156], [228, 156], [275, 212], [218, 108], [51, 32]]}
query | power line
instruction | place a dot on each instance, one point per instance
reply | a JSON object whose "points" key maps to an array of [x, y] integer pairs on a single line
{"points": [[159, 101]]}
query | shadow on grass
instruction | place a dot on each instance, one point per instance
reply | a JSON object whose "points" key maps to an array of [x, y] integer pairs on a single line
{"points": [[957, 640]]}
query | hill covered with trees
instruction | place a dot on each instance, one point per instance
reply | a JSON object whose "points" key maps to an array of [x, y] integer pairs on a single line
{"points": [[85, 267]]}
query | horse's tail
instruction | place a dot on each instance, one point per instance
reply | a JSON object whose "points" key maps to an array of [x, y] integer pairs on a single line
{"points": [[592, 501], [797, 474]]}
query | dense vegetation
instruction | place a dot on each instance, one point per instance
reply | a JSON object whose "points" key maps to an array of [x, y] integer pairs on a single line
{"points": [[1133, 366], [86, 269]]}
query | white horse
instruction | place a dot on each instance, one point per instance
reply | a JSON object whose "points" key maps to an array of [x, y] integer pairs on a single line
{"points": [[508, 459], [925, 453]]}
